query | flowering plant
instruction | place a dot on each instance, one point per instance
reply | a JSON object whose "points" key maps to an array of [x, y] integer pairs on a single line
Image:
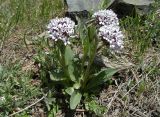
{"points": [[76, 72]]}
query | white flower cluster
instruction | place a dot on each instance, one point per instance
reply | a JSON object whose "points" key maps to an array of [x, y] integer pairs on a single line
{"points": [[113, 35], [109, 28], [61, 29], [106, 17]]}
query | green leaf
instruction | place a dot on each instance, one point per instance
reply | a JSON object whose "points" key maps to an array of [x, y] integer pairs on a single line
{"points": [[91, 32], [85, 39], [54, 111], [76, 85], [92, 40], [69, 90], [101, 77], [105, 4], [71, 72], [1, 71], [69, 56], [93, 106], [75, 99], [56, 76], [138, 2]]}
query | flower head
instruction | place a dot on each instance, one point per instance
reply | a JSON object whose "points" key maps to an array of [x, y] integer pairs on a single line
{"points": [[106, 17], [112, 35], [61, 29]]}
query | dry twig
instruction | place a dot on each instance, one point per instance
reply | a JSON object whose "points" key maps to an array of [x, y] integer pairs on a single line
{"points": [[132, 88], [28, 106]]}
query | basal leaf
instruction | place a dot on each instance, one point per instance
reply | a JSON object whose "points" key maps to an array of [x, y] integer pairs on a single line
{"points": [[68, 55], [101, 77], [75, 99], [56, 76], [71, 72]]}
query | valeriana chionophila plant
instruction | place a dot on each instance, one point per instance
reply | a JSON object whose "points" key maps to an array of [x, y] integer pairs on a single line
{"points": [[76, 73]]}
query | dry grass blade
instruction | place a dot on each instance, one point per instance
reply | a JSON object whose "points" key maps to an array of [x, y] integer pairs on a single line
{"points": [[28, 106]]}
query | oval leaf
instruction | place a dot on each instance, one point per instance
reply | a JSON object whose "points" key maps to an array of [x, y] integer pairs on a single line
{"points": [[75, 99]]}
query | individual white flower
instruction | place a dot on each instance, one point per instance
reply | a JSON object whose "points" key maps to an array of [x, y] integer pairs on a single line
{"points": [[106, 17], [61, 29], [112, 35]]}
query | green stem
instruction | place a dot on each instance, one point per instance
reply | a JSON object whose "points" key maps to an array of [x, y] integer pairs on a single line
{"points": [[91, 59], [61, 52]]}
